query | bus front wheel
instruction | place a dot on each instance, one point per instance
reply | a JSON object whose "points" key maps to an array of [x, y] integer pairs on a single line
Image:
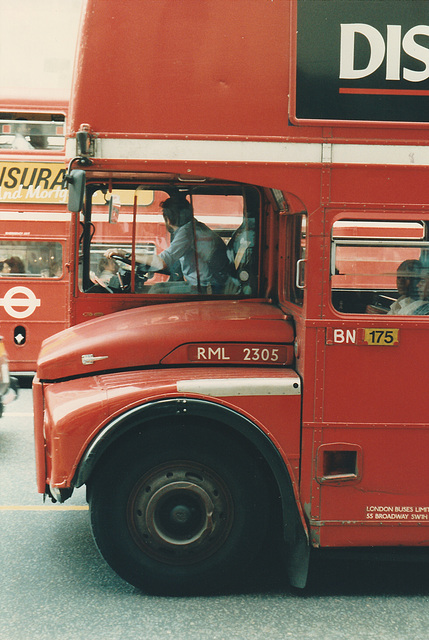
{"points": [[184, 511]]}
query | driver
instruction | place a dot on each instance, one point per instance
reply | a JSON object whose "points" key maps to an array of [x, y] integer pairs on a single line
{"points": [[207, 269]]}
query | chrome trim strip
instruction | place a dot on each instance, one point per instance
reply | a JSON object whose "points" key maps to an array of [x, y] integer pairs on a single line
{"points": [[224, 387]]}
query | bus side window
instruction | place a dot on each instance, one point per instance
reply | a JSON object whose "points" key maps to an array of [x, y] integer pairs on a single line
{"points": [[379, 268], [31, 259]]}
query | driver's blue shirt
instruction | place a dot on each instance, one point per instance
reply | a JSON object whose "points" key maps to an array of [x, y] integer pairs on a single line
{"points": [[211, 258]]}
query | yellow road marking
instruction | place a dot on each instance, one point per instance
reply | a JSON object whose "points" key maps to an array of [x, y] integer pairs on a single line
{"points": [[19, 507], [17, 414]]}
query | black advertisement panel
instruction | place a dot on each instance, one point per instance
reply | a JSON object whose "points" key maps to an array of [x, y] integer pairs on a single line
{"points": [[363, 60]]}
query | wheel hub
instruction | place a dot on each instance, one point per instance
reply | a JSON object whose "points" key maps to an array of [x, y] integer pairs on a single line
{"points": [[180, 513]]}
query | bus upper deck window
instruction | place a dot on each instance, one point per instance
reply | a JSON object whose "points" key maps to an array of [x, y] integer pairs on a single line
{"points": [[32, 131]]}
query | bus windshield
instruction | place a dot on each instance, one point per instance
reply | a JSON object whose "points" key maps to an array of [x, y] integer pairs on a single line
{"points": [[160, 240]]}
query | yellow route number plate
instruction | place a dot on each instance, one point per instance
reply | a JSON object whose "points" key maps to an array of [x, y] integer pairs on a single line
{"points": [[381, 337]]}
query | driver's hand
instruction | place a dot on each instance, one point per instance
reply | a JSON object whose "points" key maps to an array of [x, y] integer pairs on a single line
{"points": [[115, 252]]}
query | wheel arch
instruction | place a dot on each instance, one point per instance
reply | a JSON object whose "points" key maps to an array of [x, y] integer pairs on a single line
{"points": [[295, 531]]}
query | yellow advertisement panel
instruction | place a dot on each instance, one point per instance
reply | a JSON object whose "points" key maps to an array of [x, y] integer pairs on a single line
{"points": [[39, 182], [124, 197]]}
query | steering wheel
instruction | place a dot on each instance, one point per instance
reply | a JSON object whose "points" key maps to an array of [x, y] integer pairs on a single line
{"points": [[126, 258], [124, 275]]}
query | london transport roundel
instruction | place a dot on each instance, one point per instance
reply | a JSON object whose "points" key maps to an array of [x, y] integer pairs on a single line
{"points": [[19, 302]]}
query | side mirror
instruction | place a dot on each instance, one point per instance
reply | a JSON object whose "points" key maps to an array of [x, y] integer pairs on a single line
{"points": [[76, 185], [111, 212], [114, 205]]}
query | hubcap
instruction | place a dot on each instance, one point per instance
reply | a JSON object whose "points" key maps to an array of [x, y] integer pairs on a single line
{"points": [[180, 513]]}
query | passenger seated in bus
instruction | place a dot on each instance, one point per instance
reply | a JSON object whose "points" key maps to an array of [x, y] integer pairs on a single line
{"points": [[107, 268], [408, 276], [37, 139], [423, 286], [205, 270], [21, 131], [56, 270], [107, 273], [13, 265]]}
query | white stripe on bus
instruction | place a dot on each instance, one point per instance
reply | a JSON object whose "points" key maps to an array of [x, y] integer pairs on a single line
{"points": [[254, 151]]}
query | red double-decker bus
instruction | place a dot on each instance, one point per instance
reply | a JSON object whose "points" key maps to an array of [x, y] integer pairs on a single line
{"points": [[257, 374], [35, 228]]}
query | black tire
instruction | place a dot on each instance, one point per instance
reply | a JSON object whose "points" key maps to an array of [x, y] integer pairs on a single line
{"points": [[179, 510]]}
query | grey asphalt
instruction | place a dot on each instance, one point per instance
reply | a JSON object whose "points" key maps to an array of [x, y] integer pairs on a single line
{"points": [[54, 584]]}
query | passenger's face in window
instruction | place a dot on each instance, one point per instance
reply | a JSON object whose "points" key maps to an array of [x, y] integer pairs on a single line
{"points": [[423, 287], [402, 285]]}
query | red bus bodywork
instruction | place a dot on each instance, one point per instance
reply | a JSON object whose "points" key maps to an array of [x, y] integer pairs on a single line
{"points": [[339, 422]]}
